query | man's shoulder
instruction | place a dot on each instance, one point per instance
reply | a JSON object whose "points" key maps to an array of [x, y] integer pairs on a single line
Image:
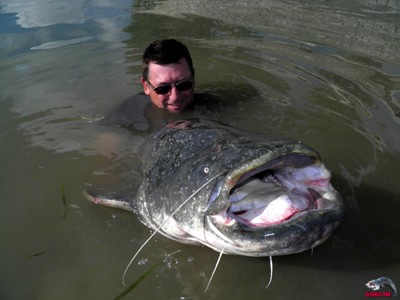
{"points": [[130, 110], [134, 102], [206, 98], [207, 105]]}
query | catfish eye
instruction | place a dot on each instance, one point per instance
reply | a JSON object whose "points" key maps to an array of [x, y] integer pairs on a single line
{"points": [[206, 170]]}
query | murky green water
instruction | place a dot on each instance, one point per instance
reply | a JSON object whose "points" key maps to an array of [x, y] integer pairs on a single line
{"points": [[325, 72]]}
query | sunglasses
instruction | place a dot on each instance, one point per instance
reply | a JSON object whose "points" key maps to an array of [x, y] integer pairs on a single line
{"points": [[166, 88]]}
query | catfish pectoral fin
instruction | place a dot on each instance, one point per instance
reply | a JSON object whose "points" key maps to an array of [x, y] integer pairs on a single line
{"points": [[125, 203]]}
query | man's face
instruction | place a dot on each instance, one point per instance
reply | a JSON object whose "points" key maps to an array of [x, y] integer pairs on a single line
{"points": [[169, 75]]}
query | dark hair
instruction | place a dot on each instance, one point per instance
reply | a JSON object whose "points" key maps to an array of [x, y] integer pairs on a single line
{"points": [[164, 52]]}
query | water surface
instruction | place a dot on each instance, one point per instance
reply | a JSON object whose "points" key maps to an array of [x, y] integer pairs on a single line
{"points": [[324, 72]]}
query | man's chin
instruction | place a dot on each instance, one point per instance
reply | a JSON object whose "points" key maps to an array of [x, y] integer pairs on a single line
{"points": [[175, 108]]}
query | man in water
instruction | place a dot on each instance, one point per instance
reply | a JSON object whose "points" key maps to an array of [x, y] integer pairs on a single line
{"points": [[168, 82]]}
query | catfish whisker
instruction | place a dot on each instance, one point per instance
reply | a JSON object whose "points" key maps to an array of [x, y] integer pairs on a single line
{"points": [[166, 221], [215, 268], [271, 268]]}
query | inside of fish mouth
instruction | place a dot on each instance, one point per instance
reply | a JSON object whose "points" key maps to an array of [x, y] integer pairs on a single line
{"points": [[270, 195]]}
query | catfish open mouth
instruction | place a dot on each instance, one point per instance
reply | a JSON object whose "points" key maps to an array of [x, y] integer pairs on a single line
{"points": [[277, 191]]}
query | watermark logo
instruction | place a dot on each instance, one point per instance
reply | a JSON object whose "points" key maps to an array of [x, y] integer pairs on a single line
{"points": [[381, 282]]}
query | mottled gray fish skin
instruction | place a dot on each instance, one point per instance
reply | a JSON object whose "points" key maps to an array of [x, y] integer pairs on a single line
{"points": [[181, 157]]}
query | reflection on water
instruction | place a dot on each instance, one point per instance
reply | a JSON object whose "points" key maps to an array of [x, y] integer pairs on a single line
{"points": [[325, 72], [45, 13]]}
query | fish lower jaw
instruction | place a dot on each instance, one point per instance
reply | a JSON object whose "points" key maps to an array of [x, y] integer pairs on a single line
{"points": [[229, 219], [223, 219], [277, 212], [266, 221], [260, 213]]}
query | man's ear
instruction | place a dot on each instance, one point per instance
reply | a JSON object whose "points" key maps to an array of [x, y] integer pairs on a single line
{"points": [[146, 87]]}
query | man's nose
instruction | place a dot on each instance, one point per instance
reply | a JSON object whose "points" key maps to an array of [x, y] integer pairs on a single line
{"points": [[173, 95]]}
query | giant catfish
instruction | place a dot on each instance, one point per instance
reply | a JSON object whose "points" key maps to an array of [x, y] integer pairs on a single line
{"points": [[235, 192]]}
